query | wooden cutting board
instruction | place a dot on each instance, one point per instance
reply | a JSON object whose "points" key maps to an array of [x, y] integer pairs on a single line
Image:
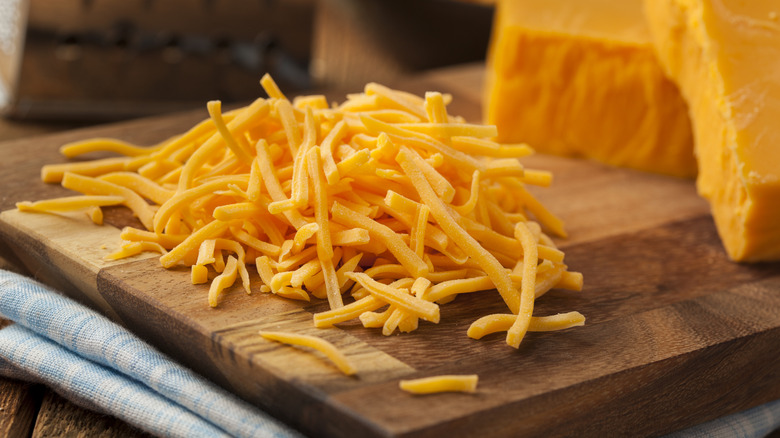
{"points": [[676, 334]]}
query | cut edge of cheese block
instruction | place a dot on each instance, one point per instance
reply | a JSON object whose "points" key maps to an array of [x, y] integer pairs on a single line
{"points": [[567, 84], [725, 57], [599, 19]]}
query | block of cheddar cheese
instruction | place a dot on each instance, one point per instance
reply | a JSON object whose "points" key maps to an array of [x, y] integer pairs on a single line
{"points": [[725, 57], [579, 78]]}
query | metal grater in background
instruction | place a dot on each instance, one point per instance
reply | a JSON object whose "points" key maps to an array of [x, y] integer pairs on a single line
{"points": [[114, 59]]}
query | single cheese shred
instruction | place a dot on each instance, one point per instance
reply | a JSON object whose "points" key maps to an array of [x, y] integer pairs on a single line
{"points": [[329, 350], [443, 383], [386, 206]]}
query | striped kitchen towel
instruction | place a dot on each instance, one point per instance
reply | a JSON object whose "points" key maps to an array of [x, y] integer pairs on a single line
{"points": [[756, 422], [101, 366]]}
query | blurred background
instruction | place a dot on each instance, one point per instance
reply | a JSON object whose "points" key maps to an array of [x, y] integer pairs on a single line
{"points": [[87, 61]]}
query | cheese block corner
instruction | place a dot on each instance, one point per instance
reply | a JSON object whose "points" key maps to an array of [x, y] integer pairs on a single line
{"points": [[725, 57], [580, 78]]}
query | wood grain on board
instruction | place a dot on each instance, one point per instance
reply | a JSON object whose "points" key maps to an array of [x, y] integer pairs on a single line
{"points": [[676, 333], [58, 417], [19, 402]]}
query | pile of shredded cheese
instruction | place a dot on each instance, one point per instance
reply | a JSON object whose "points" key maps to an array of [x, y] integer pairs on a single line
{"points": [[385, 205]]}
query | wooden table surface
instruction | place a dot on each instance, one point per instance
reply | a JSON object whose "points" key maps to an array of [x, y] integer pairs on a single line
{"points": [[34, 410]]}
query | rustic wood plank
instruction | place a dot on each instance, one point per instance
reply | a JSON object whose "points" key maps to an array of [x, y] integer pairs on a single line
{"points": [[609, 376], [662, 306], [59, 417], [19, 402], [9, 261]]}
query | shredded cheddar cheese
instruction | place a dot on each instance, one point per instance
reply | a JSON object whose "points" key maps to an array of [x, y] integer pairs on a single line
{"points": [[384, 205], [443, 383], [329, 350], [69, 203]]}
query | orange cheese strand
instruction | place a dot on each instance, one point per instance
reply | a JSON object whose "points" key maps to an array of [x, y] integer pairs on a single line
{"points": [[444, 383], [52, 173], [503, 322], [329, 350], [69, 203], [528, 295], [75, 149]]}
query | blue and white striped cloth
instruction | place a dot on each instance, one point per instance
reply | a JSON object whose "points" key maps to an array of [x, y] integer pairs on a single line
{"points": [[101, 366], [752, 423]]}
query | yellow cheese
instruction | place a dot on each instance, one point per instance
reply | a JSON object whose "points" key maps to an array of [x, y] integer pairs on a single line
{"points": [[579, 78], [725, 56]]}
